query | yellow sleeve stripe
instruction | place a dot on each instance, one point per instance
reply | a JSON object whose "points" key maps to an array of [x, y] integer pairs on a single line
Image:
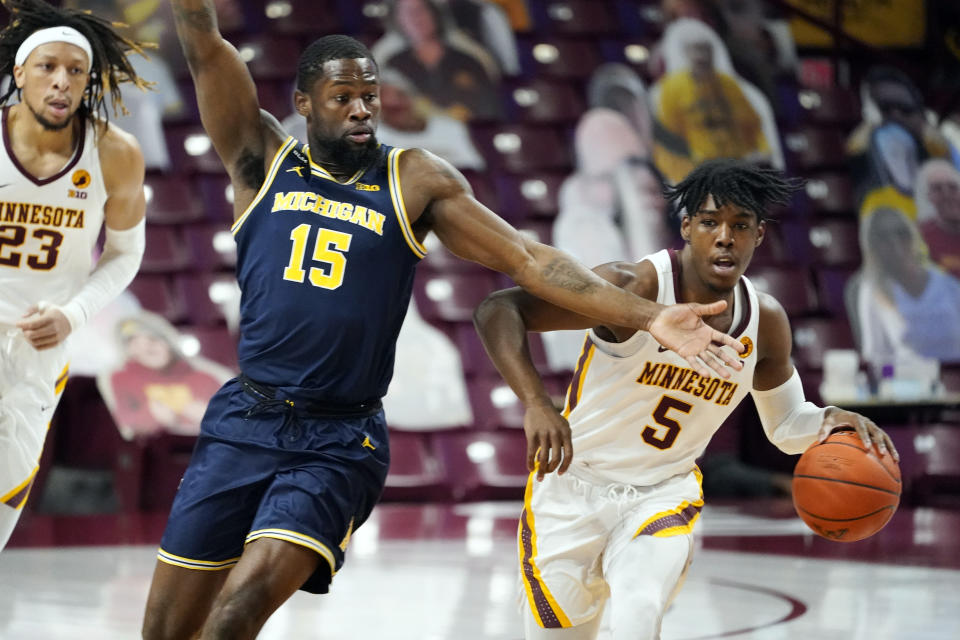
{"points": [[268, 181], [297, 538], [396, 194]]}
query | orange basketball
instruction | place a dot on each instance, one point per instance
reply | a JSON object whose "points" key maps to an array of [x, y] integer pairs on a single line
{"points": [[843, 492]]}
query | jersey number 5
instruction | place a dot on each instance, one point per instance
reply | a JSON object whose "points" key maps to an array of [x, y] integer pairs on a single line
{"points": [[329, 248], [660, 416]]}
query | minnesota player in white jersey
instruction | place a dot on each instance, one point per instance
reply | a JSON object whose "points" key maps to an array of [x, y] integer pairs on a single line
{"points": [[64, 173], [615, 523]]}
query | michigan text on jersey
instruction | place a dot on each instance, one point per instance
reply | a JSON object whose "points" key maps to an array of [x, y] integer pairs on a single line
{"points": [[315, 203], [42, 214], [668, 376]]}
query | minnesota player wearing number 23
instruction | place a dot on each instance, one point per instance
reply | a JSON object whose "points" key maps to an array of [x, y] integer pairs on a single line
{"points": [[64, 173], [615, 523]]}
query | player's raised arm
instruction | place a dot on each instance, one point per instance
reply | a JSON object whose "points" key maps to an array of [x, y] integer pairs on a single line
{"points": [[473, 232], [226, 94]]}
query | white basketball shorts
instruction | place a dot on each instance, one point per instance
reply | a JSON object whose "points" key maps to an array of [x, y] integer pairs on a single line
{"points": [[571, 531], [31, 382]]}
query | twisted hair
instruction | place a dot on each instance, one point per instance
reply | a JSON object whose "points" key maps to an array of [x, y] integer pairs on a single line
{"points": [[332, 47], [109, 67], [736, 181]]}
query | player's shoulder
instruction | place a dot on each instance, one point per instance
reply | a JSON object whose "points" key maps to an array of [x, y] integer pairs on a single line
{"points": [[639, 278], [430, 172], [773, 326], [111, 140]]}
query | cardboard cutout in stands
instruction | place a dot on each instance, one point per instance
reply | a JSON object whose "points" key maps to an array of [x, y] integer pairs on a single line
{"points": [[938, 213], [907, 311], [157, 388], [703, 110]]}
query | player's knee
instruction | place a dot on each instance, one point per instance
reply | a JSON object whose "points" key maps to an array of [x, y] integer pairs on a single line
{"points": [[239, 613], [636, 614], [161, 626]]}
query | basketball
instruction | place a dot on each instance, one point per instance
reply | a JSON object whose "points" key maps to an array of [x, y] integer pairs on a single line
{"points": [[843, 492]]}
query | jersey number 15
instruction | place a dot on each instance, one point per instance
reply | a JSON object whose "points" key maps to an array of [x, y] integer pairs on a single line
{"points": [[328, 248]]}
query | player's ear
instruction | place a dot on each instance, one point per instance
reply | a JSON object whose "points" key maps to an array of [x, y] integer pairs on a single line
{"points": [[301, 101], [19, 76], [685, 223], [761, 231]]}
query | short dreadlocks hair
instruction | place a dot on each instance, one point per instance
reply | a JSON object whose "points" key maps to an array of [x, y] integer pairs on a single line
{"points": [[325, 49], [731, 180], [109, 67]]}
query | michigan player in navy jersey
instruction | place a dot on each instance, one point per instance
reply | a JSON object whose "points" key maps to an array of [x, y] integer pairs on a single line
{"points": [[293, 453], [618, 525]]}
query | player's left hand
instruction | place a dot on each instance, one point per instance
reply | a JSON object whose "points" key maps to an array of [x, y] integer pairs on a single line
{"points": [[44, 328], [680, 328], [870, 434]]}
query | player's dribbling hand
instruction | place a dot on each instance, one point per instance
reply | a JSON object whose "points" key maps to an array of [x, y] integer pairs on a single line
{"points": [[44, 328], [870, 434], [680, 328], [549, 445]]}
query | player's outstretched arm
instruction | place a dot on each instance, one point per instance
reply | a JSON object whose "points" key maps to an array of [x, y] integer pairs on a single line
{"points": [[790, 422], [473, 232], [226, 94]]}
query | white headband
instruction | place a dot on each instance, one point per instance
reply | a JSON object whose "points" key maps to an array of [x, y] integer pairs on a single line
{"points": [[54, 34]]}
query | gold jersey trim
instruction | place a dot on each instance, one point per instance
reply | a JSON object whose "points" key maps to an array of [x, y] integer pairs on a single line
{"points": [[396, 194], [320, 172], [278, 158]]}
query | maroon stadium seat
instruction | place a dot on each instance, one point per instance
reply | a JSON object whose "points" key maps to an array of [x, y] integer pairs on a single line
{"points": [[559, 58], [196, 292], [830, 193], [523, 149], [576, 17], [484, 465], [790, 285], [164, 251], [533, 194], [171, 199], [155, 293], [451, 297], [816, 148], [835, 242], [416, 472], [543, 101], [834, 105], [211, 245], [812, 337], [216, 343]]}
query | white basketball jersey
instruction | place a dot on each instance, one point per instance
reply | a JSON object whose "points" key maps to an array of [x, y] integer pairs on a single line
{"points": [[639, 414], [48, 227]]}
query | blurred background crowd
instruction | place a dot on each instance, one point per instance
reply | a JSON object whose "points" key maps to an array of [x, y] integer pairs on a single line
{"points": [[567, 117]]}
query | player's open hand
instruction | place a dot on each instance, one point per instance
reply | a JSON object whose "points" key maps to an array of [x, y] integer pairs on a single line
{"points": [[549, 445], [680, 328], [44, 328], [870, 434]]}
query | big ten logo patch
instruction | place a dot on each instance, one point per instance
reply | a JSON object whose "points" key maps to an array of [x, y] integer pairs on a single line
{"points": [[81, 180], [748, 346]]}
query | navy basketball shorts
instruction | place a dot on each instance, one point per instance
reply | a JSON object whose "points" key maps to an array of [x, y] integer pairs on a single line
{"points": [[268, 470]]}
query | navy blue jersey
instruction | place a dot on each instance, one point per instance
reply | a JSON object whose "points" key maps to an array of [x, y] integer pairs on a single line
{"points": [[326, 271]]}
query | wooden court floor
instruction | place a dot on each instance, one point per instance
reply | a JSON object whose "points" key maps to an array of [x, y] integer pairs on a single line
{"points": [[448, 572]]}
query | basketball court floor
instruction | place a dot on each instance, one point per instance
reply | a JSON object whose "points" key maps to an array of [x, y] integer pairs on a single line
{"points": [[448, 572]]}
